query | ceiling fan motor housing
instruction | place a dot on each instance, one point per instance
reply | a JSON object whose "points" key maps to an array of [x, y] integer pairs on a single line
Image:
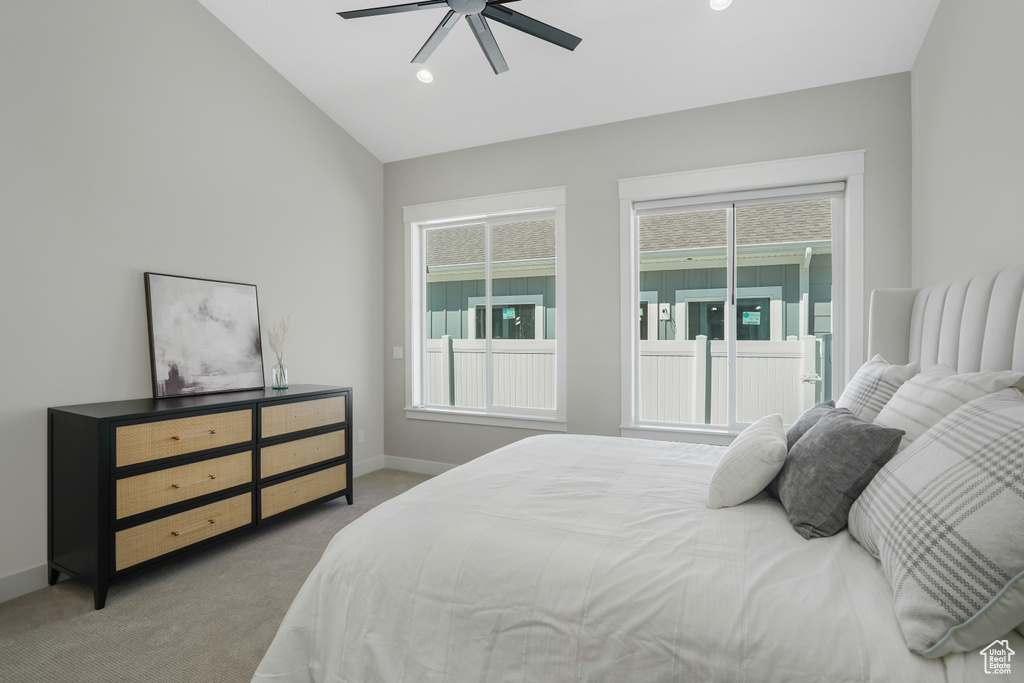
{"points": [[467, 6]]}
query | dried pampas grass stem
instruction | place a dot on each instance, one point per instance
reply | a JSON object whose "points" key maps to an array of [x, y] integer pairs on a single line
{"points": [[276, 336]]}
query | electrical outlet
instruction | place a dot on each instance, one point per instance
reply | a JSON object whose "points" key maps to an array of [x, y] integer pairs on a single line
{"points": [[397, 352], [361, 436]]}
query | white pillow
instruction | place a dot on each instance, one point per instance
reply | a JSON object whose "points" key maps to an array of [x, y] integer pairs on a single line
{"points": [[749, 464], [946, 519], [934, 394], [873, 386]]}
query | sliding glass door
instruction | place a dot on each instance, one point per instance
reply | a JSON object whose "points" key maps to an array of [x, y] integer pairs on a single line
{"points": [[736, 305]]}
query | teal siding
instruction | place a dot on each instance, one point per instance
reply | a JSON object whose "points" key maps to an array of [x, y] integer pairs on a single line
{"points": [[448, 302], [791, 298], [667, 282], [435, 312], [820, 295]]}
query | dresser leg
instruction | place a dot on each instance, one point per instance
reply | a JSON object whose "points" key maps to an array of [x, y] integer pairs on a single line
{"points": [[348, 496], [99, 594], [54, 575]]}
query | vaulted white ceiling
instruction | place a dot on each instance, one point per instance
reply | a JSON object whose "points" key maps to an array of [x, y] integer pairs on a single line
{"points": [[637, 58]]}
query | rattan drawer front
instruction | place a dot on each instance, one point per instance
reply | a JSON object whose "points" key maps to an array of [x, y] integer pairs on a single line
{"points": [[293, 417], [153, 490], [295, 492], [301, 452], [165, 438], [161, 536]]}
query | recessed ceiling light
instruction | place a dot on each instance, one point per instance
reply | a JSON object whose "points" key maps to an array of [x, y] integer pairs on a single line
{"points": [[720, 4], [425, 76]]}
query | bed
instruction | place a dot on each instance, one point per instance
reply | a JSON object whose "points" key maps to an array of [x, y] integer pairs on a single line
{"points": [[584, 558]]}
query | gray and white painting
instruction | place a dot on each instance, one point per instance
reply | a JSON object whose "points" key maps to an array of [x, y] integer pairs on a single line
{"points": [[205, 336]]}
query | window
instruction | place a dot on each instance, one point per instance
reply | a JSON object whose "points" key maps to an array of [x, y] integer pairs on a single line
{"points": [[516, 321], [650, 314], [735, 358], [485, 331], [755, 260], [707, 318], [758, 311]]}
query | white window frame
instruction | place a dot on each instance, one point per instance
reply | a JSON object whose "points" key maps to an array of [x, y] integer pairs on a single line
{"points": [[847, 263], [420, 217]]}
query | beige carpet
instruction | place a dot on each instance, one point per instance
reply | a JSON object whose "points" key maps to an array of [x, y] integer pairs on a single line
{"points": [[208, 616]]}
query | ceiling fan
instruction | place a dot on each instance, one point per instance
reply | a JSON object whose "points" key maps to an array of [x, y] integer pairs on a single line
{"points": [[477, 12]]}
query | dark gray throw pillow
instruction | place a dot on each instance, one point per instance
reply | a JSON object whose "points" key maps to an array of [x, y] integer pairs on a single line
{"points": [[829, 467], [808, 419]]}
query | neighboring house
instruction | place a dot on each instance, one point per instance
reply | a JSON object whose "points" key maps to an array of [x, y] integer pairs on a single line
{"points": [[784, 276], [523, 281]]}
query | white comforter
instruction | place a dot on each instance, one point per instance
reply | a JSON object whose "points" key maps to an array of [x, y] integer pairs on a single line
{"points": [[579, 558]]}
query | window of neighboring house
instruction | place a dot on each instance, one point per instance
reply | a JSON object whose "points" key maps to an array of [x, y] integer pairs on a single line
{"points": [[650, 317], [753, 319], [486, 333], [512, 317], [759, 281], [510, 321], [758, 313], [706, 318]]}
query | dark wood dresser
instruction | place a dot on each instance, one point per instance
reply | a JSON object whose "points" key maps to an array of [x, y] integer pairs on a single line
{"points": [[132, 483]]}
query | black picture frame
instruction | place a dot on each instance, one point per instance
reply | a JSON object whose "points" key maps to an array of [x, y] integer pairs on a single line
{"points": [[204, 335]]}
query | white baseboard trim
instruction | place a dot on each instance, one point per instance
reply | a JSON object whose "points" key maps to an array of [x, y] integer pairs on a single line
{"points": [[394, 462], [416, 465], [366, 466], [21, 583]]}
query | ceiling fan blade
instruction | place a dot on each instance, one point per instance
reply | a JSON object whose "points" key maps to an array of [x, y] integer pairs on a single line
{"points": [[436, 37], [487, 42], [526, 24], [391, 9]]}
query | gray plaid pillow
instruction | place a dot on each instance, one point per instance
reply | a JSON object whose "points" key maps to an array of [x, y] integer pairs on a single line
{"points": [[946, 518], [874, 384]]}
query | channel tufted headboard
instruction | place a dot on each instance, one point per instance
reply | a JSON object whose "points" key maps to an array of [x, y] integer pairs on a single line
{"points": [[970, 325]]}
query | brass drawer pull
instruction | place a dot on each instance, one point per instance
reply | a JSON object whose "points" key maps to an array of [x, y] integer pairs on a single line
{"points": [[195, 528], [193, 483], [194, 436]]}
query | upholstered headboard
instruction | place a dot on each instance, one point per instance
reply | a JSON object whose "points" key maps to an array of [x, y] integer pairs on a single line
{"points": [[970, 325]]}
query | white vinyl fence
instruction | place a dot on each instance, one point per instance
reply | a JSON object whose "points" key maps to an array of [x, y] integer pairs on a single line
{"points": [[523, 372], [686, 381], [680, 381]]}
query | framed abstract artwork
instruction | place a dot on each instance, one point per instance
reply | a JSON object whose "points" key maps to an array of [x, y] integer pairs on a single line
{"points": [[204, 335]]}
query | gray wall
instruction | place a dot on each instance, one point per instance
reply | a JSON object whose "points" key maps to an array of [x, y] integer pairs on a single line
{"points": [[968, 141], [872, 114], [142, 136]]}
